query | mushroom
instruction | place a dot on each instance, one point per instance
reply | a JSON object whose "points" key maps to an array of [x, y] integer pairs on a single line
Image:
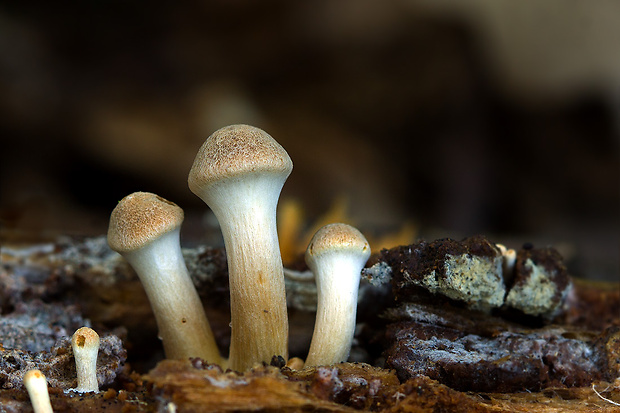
{"points": [[85, 344], [36, 385], [336, 255], [145, 230], [295, 363], [239, 172], [509, 257]]}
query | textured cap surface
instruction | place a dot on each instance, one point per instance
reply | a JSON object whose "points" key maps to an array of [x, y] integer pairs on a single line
{"points": [[140, 218], [85, 337], [33, 375], [338, 237], [237, 150]]}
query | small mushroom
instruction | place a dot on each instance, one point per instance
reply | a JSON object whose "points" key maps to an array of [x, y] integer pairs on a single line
{"points": [[509, 258], [336, 255], [239, 172], [36, 385], [145, 230], [295, 363], [85, 344]]}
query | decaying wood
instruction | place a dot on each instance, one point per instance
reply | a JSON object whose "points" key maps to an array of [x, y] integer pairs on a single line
{"points": [[61, 285]]}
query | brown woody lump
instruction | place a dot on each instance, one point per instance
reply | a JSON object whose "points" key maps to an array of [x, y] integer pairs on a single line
{"points": [[470, 271]]}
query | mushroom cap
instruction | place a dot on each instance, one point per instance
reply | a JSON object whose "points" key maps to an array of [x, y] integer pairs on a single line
{"points": [[34, 375], [140, 218], [85, 337], [337, 238], [234, 151]]}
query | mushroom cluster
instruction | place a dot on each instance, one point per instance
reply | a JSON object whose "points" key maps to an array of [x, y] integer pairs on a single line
{"points": [[239, 173]]}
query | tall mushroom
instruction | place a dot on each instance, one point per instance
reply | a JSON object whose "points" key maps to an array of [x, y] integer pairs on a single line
{"points": [[239, 172], [145, 230], [336, 255]]}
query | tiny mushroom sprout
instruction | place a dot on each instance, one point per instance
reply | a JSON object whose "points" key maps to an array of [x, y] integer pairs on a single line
{"points": [[85, 344], [239, 173], [336, 255], [509, 258], [36, 385], [145, 230]]}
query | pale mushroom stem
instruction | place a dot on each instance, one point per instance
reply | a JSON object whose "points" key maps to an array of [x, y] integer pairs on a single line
{"points": [[336, 312], [183, 327], [259, 317], [85, 344], [336, 255], [36, 384]]}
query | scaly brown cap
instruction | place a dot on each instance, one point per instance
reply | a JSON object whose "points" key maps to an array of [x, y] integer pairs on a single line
{"points": [[337, 237], [140, 218], [234, 151], [85, 337]]}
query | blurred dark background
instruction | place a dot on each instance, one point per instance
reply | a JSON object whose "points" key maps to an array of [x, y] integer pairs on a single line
{"points": [[489, 117]]}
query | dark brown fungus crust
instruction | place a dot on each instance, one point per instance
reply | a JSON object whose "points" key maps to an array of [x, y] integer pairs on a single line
{"points": [[469, 271]]}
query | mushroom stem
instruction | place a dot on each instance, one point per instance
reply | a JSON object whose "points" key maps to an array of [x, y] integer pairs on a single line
{"points": [[239, 172], [182, 325], [36, 385], [336, 255], [145, 229], [257, 295], [85, 344]]}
